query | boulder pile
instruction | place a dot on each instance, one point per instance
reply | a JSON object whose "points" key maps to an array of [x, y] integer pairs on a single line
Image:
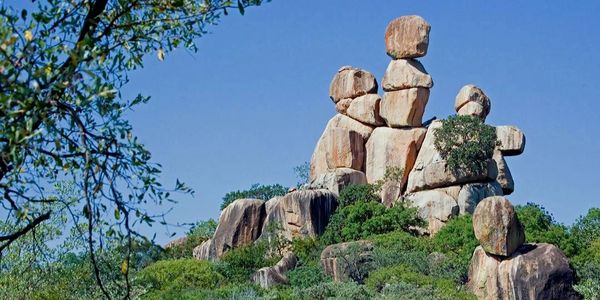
{"points": [[503, 267], [372, 134], [297, 214]]}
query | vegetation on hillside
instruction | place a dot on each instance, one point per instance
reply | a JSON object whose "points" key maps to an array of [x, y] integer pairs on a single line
{"points": [[404, 265]]}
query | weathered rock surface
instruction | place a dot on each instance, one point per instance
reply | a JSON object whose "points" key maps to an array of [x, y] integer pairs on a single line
{"points": [[405, 74], [434, 206], [206, 251], [538, 271], [472, 193], [240, 224], [342, 105], [318, 162], [303, 213], [512, 140], [404, 107], [345, 149], [407, 37], [350, 82], [336, 180], [176, 242], [365, 109], [504, 177], [431, 170], [270, 276], [472, 94], [396, 148], [334, 258], [497, 227]]}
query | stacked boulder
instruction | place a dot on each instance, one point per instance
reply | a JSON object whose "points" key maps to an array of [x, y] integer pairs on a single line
{"points": [[370, 135], [503, 267], [297, 214]]}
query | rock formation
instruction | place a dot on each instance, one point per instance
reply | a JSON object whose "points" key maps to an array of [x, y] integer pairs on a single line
{"points": [[340, 260], [372, 134], [302, 213], [270, 276], [505, 268]]}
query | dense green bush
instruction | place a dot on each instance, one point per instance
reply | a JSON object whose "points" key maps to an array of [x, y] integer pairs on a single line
{"points": [[256, 191], [363, 215], [307, 274], [465, 142], [238, 264], [399, 274], [333, 290], [169, 277], [540, 227]]}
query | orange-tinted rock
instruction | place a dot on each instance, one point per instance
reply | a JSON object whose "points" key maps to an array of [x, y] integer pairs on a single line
{"points": [[404, 108], [497, 227], [350, 82], [407, 37]]}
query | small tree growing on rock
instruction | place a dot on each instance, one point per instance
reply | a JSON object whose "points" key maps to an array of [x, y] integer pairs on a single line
{"points": [[465, 142]]}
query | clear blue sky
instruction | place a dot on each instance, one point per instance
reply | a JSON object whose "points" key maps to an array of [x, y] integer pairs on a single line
{"points": [[251, 104]]}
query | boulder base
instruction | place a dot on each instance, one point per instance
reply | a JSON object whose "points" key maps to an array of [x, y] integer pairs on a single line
{"points": [[538, 271], [497, 227]]}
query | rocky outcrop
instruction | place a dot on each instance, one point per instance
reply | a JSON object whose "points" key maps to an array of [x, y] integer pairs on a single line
{"points": [[537, 271], [497, 227], [176, 242], [319, 163], [350, 82], [404, 108], [431, 170], [392, 148], [365, 109], [472, 101], [341, 260], [336, 180], [270, 276], [240, 224], [303, 213], [206, 251], [434, 206], [407, 37], [511, 140], [405, 74], [344, 149]]}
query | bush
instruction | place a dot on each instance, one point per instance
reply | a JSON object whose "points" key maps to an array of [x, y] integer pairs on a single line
{"points": [[256, 191], [465, 142], [408, 291], [362, 219], [400, 274], [333, 290], [169, 277], [306, 275], [358, 193], [238, 264], [540, 226], [199, 233]]}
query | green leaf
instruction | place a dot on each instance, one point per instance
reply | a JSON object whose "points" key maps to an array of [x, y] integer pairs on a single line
{"points": [[117, 214]]}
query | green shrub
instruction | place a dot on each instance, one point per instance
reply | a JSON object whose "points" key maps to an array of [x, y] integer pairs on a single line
{"points": [[199, 233], [256, 191], [400, 241], [307, 249], [408, 291], [333, 290], [307, 275], [540, 226], [238, 264], [362, 219], [465, 142], [399, 274], [168, 277], [355, 193]]}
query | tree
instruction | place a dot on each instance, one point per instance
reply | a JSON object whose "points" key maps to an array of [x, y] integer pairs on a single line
{"points": [[256, 191], [62, 67], [465, 142]]}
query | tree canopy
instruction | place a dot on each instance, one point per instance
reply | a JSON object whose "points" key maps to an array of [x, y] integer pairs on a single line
{"points": [[62, 116]]}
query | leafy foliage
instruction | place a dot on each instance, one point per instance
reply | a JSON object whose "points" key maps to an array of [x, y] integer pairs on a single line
{"points": [[238, 264], [361, 214], [302, 173], [63, 117], [199, 233], [256, 191], [540, 227], [465, 142], [169, 276]]}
